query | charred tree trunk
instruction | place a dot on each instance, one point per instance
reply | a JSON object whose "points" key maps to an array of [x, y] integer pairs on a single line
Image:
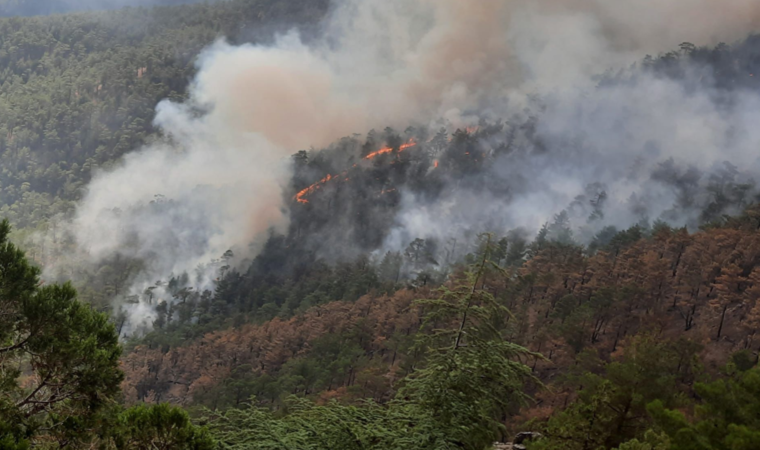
{"points": [[722, 319]]}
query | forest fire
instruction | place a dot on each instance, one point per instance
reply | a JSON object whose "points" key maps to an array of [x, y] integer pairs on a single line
{"points": [[300, 197], [411, 143]]}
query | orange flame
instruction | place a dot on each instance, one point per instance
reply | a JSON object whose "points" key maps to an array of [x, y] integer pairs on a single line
{"points": [[385, 150], [300, 197], [435, 164]]}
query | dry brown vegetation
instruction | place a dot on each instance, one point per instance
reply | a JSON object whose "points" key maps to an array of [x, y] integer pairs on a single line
{"points": [[702, 287]]}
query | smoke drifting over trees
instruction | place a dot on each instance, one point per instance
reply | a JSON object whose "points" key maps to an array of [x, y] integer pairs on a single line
{"points": [[393, 225], [567, 122], [10, 8]]}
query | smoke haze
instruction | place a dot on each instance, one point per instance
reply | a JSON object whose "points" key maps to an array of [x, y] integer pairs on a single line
{"points": [[44, 7], [221, 169]]}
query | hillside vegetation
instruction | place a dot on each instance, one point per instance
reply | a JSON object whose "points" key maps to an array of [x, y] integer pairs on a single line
{"points": [[11, 8], [78, 91], [640, 338], [684, 302]]}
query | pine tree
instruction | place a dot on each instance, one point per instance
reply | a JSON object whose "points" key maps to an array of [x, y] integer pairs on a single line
{"points": [[67, 352], [472, 375]]}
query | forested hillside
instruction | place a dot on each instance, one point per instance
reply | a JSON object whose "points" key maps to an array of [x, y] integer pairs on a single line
{"points": [[652, 305], [78, 91], [10, 8], [344, 203], [561, 266], [644, 318]]}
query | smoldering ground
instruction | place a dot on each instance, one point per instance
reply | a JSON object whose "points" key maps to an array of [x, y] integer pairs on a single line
{"points": [[223, 166]]}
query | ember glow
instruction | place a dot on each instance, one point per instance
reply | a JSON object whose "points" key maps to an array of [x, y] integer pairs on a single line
{"points": [[300, 197], [411, 143]]}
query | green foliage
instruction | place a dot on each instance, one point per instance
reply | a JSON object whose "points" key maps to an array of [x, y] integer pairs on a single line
{"points": [[66, 353], [744, 360], [559, 231], [472, 376], [332, 362], [78, 91], [12, 436], [610, 240], [43, 7], [611, 404], [727, 416], [332, 426], [650, 441], [271, 288], [158, 426]]}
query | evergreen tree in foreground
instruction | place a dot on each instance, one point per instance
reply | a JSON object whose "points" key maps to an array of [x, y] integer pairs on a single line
{"points": [[472, 376], [59, 373], [59, 359], [456, 399]]}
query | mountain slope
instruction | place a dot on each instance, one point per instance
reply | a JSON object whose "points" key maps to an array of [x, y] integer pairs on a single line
{"points": [[9, 8], [79, 91], [698, 287]]}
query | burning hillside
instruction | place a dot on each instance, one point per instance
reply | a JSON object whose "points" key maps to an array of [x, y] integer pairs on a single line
{"points": [[301, 196]]}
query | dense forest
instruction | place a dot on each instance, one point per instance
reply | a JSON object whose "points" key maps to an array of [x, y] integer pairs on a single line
{"points": [[10, 8], [646, 343], [579, 335], [80, 90]]}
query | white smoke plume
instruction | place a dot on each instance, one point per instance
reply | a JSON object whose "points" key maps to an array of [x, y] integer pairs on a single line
{"points": [[222, 167]]}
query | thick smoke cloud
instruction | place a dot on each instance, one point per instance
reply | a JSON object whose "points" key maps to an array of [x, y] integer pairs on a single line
{"points": [[222, 165], [649, 145]]}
